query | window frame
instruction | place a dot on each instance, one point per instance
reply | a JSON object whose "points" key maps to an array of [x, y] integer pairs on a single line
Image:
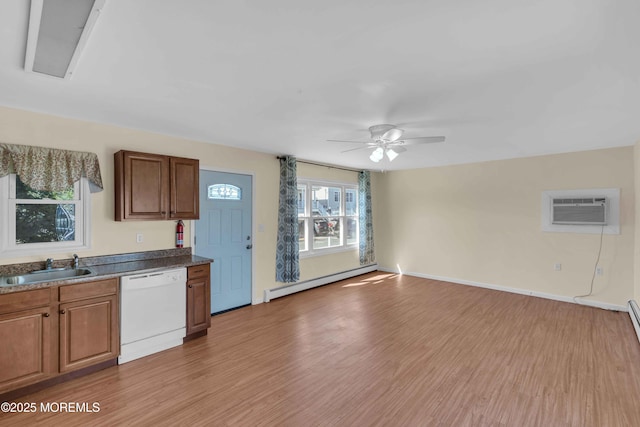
{"points": [[308, 217], [8, 203]]}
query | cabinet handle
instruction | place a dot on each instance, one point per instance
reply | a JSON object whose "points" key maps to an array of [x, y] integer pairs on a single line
{"points": [[62, 312], [191, 286], [45, 314]]}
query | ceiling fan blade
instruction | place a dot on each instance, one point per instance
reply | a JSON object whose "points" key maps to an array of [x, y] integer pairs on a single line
{"points": [[423, 139], [357, 148], [398, 148], [356, 142], [392, 134]]}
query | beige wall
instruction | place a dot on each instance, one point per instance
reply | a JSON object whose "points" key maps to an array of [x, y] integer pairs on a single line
{"points": [[477, 222], [481, 223], [111, 237], [636, 257]]}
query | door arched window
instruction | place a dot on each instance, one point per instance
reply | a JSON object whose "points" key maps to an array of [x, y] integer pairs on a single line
{"points": [[224, 192]]}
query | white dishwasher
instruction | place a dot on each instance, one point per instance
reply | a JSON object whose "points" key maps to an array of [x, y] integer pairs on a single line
{"points": [[153, 309]]}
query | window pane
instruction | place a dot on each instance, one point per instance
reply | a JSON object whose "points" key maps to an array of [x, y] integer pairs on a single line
{"points": [[25, 192], [224, 192], [352, 230], [325, 201], [45, 223], [351, 201], [326, 232], [302, 193], [302, 240]]}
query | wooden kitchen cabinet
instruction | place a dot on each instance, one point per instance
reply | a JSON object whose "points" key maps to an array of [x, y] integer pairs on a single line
{"points": [[198, 299], [184, 202], [26, 338], [155, 187], [46, 333], [89, 324]]}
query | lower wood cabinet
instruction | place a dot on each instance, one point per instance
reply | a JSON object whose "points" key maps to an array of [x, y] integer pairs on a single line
{"points": [[48, 332], [89, 324], [26, 340], [198, 299]]}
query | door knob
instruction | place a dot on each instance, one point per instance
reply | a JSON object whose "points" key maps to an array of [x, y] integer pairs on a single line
{"points": [[249, 246]]}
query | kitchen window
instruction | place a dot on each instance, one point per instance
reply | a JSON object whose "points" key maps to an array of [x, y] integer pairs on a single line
{"points": [[327, 217], [43, 221]]}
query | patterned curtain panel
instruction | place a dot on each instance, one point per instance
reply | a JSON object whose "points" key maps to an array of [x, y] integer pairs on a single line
{"points": [[367, 253], [287, 256], [49, 169]]}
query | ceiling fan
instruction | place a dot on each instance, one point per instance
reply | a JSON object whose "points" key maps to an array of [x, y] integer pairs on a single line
{"points": [[387, 140]]}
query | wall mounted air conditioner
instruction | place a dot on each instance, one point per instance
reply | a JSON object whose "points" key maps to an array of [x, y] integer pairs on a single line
{"points": [[579, 211]]}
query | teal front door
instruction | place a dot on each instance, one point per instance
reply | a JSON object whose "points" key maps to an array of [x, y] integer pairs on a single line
{"points": [[223, 233]]}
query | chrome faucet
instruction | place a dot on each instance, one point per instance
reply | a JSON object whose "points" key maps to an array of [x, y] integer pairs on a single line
{"points": [[76, 261], [49, 265]]}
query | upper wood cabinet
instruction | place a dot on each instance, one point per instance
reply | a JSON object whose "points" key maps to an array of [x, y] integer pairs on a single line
{"points": [[155, 187]]}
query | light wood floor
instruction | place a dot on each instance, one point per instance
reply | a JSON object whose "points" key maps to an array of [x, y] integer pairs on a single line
{"points": [[378, 350]]}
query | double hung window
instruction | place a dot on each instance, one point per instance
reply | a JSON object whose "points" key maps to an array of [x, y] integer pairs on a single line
{"points": [[327, 216], [37, 221]]}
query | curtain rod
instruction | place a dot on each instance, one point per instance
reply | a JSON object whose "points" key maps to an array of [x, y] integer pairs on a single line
{"points": [[308, 162]]}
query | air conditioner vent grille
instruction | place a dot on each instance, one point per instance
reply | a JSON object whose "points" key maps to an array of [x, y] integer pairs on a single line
{"points": [[578, 201], [580, 211]]}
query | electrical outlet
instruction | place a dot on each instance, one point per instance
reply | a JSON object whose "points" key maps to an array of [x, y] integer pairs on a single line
{"points": [[139, 238], [557, 266], [599, 271]]}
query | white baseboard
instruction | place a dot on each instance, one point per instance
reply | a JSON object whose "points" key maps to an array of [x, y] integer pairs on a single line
{"points": [[281, 291], [582, 301], [634, 313]]}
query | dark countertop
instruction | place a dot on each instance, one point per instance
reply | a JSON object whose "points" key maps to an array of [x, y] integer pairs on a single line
{"points": [[120, 265]]}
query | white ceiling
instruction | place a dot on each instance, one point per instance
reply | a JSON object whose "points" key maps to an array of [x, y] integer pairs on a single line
{"points": [[499, 78]]}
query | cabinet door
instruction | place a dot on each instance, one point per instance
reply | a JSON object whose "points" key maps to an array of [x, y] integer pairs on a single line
{"points": [[198, 305], [185, 202], [26, 356], [89, 332], [198, 298], [142, 186]]}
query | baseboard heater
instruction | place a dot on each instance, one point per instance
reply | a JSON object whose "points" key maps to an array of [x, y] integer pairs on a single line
{"points": [[282, 291], [634, 313]]}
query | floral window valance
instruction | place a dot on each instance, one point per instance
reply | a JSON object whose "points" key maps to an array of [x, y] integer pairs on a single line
{"points": [[50, 169]]}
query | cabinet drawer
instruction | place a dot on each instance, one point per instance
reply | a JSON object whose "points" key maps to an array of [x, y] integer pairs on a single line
{"points": [[88, 290], [17, 301], [197, 271]]}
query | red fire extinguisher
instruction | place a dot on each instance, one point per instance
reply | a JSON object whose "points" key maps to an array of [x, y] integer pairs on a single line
{"points": [[180, 234]]}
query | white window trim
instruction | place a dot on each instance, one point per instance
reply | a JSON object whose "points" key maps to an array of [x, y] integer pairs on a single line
{"points": [[9, 249], [344, 247]]}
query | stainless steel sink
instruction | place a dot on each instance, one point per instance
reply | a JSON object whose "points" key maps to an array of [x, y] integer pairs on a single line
{"points": [[44, 276]]}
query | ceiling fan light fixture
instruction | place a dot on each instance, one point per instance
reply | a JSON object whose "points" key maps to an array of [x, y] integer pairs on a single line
{"points": [[391, 154], [377, 155]]}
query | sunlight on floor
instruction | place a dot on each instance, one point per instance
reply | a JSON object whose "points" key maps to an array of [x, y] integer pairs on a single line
{"points": [[370, 280]]}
